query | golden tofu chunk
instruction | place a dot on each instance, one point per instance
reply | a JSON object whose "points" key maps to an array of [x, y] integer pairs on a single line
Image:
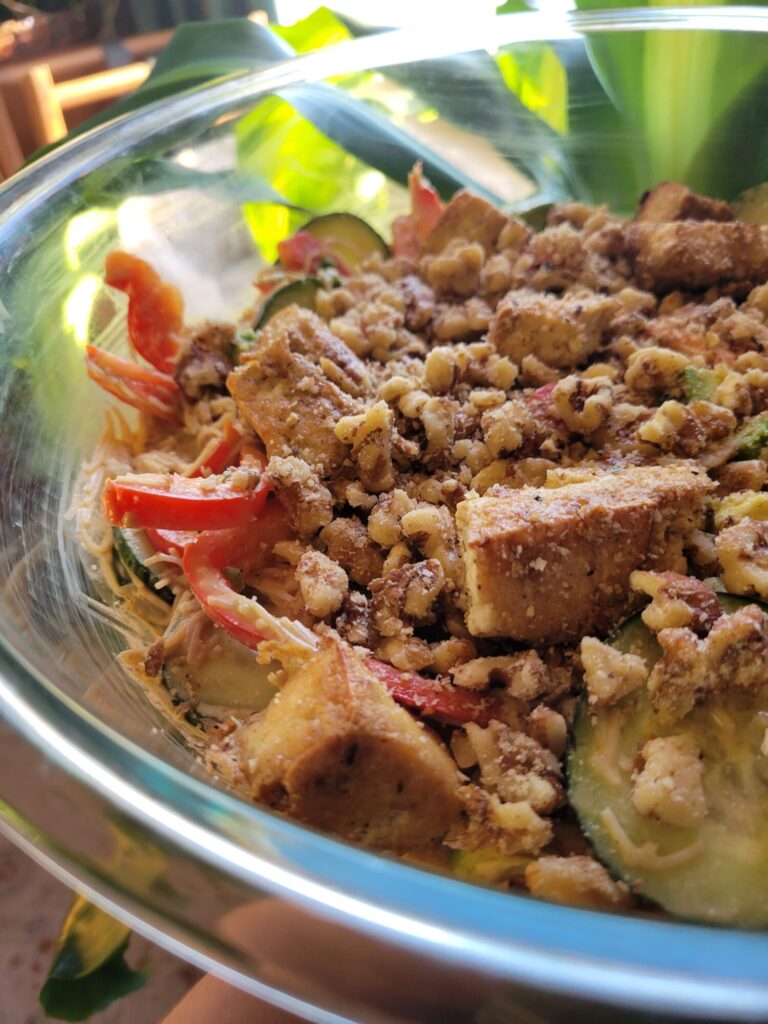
{"points": [[697, 254], [672, 201], [561, 332], [549, 564], [469, 217], [300, 380], [335, 751]]}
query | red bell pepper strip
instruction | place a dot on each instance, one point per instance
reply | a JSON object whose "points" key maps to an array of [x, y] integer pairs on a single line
{"points": [[410, 232], [205, 559], [148, 390], [181, 503], [155, 308], [224, 454], [301, 252], [173, 542], [432, 697], [170, 542], [426, 205]]}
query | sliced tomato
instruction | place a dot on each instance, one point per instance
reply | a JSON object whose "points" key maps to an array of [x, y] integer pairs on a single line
{"points": [[155, 308], [148, 390], [301, 252], [181, 503], [434, 698]]}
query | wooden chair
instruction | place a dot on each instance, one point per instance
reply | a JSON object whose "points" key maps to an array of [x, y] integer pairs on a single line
{"points": [[47, 102], [36, 99]]}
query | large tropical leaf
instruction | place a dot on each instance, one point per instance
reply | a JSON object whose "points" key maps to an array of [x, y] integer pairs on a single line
{"points": [[684, 93]]}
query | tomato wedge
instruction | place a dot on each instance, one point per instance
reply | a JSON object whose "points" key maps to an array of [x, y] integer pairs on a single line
{"points": [[148, 390], [181, 503], [434, 698], [155, 308]]}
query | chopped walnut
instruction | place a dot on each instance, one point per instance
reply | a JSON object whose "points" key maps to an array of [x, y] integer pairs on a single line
{"points": [[676, 601], [523, 675], [743, 553], [749, 475], [370, 435], [408, 653], [686, 429], [456, 269], [516, 767], [578, 881], [583, 405], [609, 674], [448, 654], [549, 728], [509, 828], [655, 371], [406, 595], [668, 785], [348, 544], [731, 657], [384, 520], [354, 620], [433, 531], [322, 582]]}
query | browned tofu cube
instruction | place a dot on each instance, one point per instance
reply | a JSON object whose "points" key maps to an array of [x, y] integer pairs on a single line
{"points": [[561, 332], [549, 564], [335, 751], [697, 254], [672, 201], [300, 380], [466, 216]]}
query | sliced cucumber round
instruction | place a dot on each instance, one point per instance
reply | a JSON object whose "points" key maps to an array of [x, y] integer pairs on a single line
{"points": [[715, 871], [131, 550], [347, 237], [300, 293], [230, 679]]}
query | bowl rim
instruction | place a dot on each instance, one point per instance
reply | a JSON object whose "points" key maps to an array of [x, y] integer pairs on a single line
{"points": [[659, 965]]}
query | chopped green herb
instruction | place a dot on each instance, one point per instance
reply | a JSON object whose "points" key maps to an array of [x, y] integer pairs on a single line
{"points": [[752, 438], [698, 384]]}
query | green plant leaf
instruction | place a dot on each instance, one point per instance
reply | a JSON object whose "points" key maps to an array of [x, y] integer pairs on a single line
{"points": [[88, 971], [320, 28], [681, 92], [486, 106], [154, 175]]}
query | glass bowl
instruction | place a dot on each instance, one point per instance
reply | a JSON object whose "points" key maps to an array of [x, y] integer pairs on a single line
{"points": [[92, 783]]}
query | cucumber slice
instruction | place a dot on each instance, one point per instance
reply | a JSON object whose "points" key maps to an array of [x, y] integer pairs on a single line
{"points": [[301, 292], [348, 237], [133, 549], [716, 870], [230, 679]]}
